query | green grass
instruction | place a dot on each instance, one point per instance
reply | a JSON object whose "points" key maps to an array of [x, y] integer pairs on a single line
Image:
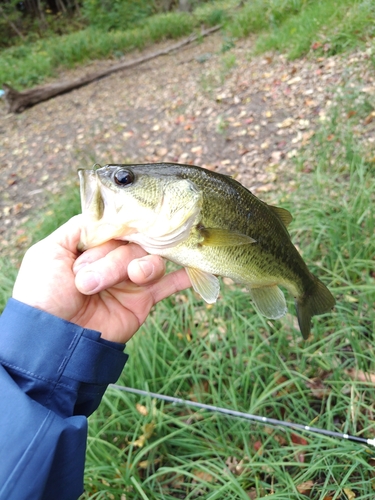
{"points": [[7, 276], [27, 65], [229, 356], [292, 26], [330, 27], [59, 211]]}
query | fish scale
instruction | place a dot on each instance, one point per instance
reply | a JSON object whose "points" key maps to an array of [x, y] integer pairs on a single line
{"points": [[210, 224]]}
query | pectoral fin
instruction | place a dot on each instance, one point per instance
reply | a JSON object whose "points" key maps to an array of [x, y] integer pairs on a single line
{"points": [[269, 301], [207, 285], [217, 237]]}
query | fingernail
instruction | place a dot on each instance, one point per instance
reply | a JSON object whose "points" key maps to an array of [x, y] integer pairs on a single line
{"points": [[88, 281], [147, 267]]}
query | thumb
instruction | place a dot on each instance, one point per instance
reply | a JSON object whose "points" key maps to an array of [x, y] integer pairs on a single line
{"points": [[146, 269]]}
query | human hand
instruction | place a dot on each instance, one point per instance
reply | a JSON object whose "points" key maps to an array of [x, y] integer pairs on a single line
{"points": [[110, 288]]}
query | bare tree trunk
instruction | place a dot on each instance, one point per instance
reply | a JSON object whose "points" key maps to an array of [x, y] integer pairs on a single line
{"points": [[11, 24], [76, 7], [42, 17], [185, 5], [18, 101], [60, 5]]}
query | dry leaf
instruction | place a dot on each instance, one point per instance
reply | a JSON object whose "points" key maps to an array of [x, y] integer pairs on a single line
{"points": [[144, 464], [258, 447], [349, 493], [148, 430], [203, 476], [161, 151], [234, 466], [288, 122], [299, 440], [305, 488], [361, 376], [300, 454], [141, 409], [318, 389], [316, 45], [369, 118]]}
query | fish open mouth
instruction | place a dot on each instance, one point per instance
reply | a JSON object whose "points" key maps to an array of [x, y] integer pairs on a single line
{"points": [[92, 203], [91, 199]]}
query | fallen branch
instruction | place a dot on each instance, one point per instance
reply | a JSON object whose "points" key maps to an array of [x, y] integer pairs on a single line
{"points": [[18, 101]]}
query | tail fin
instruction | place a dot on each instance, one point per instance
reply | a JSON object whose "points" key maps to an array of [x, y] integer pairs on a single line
{"points": [[317, 300]]}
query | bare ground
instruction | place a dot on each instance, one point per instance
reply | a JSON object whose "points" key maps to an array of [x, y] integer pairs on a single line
{"points": [[241, 115]]}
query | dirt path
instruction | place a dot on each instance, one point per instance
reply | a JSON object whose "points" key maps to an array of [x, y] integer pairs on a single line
{"points": [[224, 111]]}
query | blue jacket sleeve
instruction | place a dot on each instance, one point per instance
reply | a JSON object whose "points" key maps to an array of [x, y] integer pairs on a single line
{"points": [[53, 374]]}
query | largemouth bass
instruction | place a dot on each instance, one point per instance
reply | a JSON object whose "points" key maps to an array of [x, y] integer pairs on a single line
{"points": [[210, 224]]}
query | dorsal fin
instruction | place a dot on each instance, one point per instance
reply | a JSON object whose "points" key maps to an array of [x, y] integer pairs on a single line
{"points": [[283, 214]]}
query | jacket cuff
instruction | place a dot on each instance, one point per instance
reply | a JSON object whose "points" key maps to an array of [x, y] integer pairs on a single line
{"points": [[49, 356]]}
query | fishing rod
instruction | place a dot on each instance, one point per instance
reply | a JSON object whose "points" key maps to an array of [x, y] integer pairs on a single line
{"points": [[247, 416]]}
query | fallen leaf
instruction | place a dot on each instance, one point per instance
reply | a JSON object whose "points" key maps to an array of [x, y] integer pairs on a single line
{"points": [[148, 430], [22, 239], [305, 488], [197, 150], [361, 376], [161, 151], [144, 464], [277, 155], [303, 124], [350, 298], [294, 80], [310, 102], [17, 208], [203, 476], [369, 118], [258, 447], [317, 387], [234, 466], [300, 453], [222, 97], [316, 45], [349, 493], [299, 440], [141, 409], [288, 122]]}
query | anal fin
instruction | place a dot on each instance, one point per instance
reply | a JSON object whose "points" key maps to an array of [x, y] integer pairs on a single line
{"points": [[269, 301], [207, 285]]}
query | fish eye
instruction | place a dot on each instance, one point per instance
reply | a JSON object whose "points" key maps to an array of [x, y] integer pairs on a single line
{"points": [[123, 177]]}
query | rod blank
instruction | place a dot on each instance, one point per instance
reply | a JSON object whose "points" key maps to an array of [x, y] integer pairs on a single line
{"points": [[247, 416]]}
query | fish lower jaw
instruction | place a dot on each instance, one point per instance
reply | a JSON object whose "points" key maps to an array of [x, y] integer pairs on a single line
{"points": [[95, 234]]}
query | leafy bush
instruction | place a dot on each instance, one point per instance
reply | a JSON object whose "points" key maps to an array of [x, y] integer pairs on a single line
{"points": [[120, 14]]}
